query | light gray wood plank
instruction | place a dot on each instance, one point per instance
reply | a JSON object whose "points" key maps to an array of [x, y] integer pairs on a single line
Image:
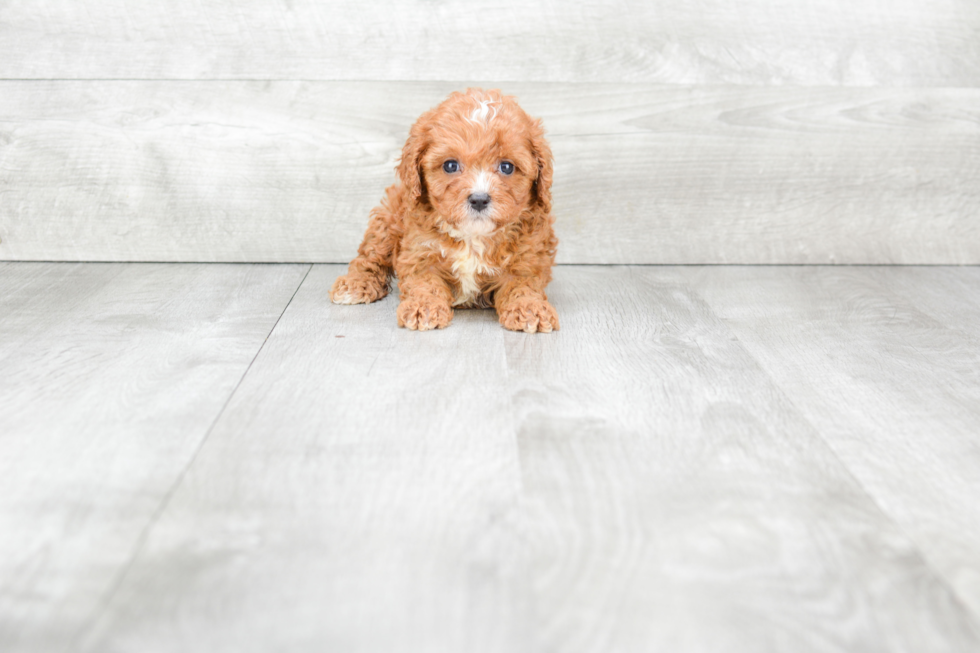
{"points": [[351, 498], [948, 295], [112, 376], [864, 43], [885, 362], [288, 171], [632, 482], [676, 499]]}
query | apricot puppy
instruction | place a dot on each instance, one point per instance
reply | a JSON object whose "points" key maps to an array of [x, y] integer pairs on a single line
{"points": [[467, 223]]}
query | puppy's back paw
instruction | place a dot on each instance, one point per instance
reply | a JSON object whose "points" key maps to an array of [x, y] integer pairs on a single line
{"points": [[357, 289]]}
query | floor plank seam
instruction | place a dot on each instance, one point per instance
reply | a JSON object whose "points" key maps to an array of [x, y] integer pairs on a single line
{"points": [[941, 577], [144, 534]]}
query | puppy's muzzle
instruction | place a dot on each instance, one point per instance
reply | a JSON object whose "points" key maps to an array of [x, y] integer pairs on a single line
{"points": [[479, 202]]}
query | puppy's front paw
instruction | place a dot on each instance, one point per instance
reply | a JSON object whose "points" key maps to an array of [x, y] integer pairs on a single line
{"points": [[424, 314], [357, 289], [529, 314]]}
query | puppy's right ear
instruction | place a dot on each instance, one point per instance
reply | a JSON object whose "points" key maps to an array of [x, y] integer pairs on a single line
{"points": [[409, 169], [542, 154]]}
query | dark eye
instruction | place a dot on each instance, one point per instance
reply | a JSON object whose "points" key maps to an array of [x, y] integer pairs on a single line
{"points": [[451, 166], [506, 168]]}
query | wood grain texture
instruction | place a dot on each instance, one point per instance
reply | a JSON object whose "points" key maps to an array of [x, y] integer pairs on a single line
{"points": [[351, 499], [634, 482], [885, 362], [111, 377], [287, 171], [676, 499], [835, 42]]}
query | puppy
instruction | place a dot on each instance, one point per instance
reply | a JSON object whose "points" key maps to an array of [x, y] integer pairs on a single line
{"points": [[468, 222]]}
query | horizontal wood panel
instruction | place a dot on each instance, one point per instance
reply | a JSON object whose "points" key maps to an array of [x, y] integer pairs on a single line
{"points": [[863, 42], [287, 171]]}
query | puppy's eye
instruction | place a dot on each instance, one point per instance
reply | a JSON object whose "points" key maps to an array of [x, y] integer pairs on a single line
{"points": [[506, 168], [451, 166]]}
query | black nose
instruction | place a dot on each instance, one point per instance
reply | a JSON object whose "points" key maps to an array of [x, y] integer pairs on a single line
{"points": [[479, 201]]}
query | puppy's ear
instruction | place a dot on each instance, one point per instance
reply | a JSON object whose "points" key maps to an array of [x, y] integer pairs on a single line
{"points": [[542, 154], [409, 168]]}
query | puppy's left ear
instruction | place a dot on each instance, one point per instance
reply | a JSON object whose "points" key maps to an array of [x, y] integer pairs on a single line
{"points": [[542, 154], [409, 169]]}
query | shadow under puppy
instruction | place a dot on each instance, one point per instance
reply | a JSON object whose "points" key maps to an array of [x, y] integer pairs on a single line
{"points": [[467, 223]]}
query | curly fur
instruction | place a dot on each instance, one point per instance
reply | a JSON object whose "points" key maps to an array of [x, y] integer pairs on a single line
{"points": [[445, 253]]}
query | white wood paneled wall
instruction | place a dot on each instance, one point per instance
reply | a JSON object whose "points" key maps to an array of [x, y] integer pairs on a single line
{"points": [[755, 132]]}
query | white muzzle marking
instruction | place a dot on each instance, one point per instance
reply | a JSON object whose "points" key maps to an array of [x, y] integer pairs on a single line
{"points": [[483, 182]]}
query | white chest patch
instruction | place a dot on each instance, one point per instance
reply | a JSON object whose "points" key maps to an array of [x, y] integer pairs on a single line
{"points": [[467, 262]]}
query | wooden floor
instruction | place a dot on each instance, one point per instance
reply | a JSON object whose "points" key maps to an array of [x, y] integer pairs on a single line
{"points": [[212, 457]]}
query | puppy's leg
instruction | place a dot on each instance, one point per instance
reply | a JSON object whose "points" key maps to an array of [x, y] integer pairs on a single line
{"points": [[369, 274], [522, 306], [426, 302]]}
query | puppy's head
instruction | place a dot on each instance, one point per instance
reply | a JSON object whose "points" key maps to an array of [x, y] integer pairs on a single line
{"points": [[479, 161]]}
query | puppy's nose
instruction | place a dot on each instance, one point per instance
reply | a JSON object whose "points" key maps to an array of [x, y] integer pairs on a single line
{"points": [[479, 201]]}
